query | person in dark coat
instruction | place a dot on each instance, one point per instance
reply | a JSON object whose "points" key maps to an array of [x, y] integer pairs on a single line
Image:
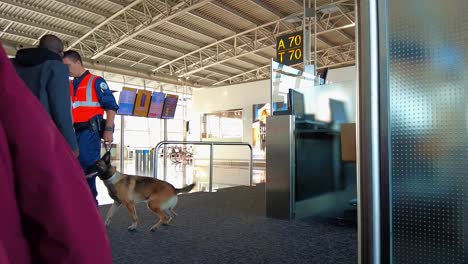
{"points": [[43, 71], [47, 214]]}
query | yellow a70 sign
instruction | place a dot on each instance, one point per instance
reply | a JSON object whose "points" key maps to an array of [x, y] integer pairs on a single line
{"points": [[289, 49]]}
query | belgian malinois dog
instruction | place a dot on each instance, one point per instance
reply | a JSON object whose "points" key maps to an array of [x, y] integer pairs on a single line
{"points": [[160, 196]]}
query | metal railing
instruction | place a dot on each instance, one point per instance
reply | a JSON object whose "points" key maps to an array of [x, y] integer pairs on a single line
{"points": [[211, 144]]}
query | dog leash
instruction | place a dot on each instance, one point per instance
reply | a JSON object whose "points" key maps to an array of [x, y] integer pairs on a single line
{"points": [[108, 146]]}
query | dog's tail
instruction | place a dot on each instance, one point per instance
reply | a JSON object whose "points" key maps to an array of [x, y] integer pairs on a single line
{"points": [[186, 189]]}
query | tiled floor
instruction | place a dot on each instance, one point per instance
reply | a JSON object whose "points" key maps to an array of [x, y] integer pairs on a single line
{"points": [[179, 175]]}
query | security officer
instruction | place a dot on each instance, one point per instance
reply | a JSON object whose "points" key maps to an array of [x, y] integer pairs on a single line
{"points": [[91, 97]]}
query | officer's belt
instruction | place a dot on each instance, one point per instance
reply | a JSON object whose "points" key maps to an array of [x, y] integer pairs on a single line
{"points": [[81, 126]]}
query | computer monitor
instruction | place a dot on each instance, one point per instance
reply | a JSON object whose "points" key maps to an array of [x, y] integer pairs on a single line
{"points": [[296, 103], [338, 112]]}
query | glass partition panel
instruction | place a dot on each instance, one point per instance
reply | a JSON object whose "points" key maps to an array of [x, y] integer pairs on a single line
{"points": [[316, 102], [427, 114], [284, 78]]}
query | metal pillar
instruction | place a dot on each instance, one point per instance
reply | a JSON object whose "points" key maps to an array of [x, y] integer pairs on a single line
{"points": [[315, 38], [122, 143], [251, 165], [211, 168], [165, 151], [368, 144]]}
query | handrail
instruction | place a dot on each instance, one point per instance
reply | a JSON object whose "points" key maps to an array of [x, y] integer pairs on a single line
{"points": [[207, 143]]}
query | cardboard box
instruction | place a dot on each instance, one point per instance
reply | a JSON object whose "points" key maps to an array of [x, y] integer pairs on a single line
{"points": [[348, 142]]}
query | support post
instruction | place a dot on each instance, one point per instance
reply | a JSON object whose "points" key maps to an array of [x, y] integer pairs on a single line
{"points": [[211, 168], [251, 167], [165, 150], [122, 143]]}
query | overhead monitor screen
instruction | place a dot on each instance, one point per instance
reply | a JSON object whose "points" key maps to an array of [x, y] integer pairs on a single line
{"points": [[127, 101], [157, 105], [170, 106], [142, 103]]}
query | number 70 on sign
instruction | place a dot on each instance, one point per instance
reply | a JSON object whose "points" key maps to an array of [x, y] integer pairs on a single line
{"points": [[289, 49], [293, 54]]}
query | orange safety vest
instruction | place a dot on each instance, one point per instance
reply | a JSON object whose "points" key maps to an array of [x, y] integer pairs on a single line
{"points": [[85, 102]]}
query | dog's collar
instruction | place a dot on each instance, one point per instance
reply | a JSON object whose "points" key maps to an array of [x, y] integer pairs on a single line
{"points": [[112, 178]]}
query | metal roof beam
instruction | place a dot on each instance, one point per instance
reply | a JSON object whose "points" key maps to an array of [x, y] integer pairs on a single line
{"points": [[220, 72], [5, 29], [213, 21], [39, 25], [230, 38], [206, 77], [157, 45], [299, 2], [88, 9], [95, 27], [141, 61], [345, 10], [89, 33], [237, 13], [218, 42], [144, 52], [268, 8], [117, 2], [171, 35], [192, 29], [10, 47], [180, 37], [176, 11], [250, 61], [344, 49], [158, 56], [241, 74], [208, 65], [15, 33], [106, 15], [241, 54], [235, 67], [25, 6], [125, 47]]}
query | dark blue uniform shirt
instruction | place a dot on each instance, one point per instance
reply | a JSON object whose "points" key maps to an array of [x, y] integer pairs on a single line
{"points": [[104, 94]]}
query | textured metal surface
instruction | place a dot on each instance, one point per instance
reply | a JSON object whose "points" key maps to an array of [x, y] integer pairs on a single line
{"points": [[280, 164], [218, 12], [428, 126]]}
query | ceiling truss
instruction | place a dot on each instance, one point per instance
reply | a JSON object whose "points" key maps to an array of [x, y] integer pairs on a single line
{"points": [[126, 33], [326, 57]]}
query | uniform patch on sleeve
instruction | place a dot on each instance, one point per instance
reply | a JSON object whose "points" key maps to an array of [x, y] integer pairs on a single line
{"points": [[103, 86]]}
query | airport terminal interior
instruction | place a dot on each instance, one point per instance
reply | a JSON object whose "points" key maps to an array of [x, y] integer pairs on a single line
{"points": [[315, 131]]}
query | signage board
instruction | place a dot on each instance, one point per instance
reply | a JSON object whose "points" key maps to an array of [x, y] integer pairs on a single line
{"points": [[142, 103], [157, 104], [289, 48], [170, 106], [127, 101]]}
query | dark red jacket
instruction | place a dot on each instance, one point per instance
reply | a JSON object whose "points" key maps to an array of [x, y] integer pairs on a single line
{"points": [[47, 214]]}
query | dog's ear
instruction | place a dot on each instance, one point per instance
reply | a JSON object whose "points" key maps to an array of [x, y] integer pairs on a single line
{"points": [[107, 157]]}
